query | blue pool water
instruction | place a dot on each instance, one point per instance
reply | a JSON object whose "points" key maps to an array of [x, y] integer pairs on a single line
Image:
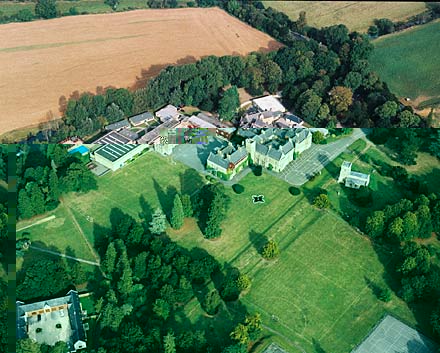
{"points": [[81, 149]]}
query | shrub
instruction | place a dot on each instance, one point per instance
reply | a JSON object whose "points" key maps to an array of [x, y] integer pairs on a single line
{"points": [[258, 170], [321, 201], [73, 11], [384, 294], [58, 326], [270, 250], [25, 15], [38, 330], [238, 189], [294, 191]]}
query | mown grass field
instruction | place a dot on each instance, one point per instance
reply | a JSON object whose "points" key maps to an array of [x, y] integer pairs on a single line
{"points": [[9, 8], [408, 61], [316, 290], [356, 15]]}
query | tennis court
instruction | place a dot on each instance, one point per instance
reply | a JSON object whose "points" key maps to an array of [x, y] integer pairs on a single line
{"points": [[392, 336]]}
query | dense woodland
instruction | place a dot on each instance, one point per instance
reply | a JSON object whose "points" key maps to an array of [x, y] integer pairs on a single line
{"points": [[4, 245], [146, 281], [324, 75], [401, 226], [44, 173]]}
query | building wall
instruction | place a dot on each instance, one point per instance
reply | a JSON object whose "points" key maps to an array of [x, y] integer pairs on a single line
{"points": [[121, 161]]}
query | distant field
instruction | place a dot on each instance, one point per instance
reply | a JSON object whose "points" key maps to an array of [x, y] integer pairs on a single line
{"points": [[356, 15], [41, 61], [409, 61], [9, 8]]}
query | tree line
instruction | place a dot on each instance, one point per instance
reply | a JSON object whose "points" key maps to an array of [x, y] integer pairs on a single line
{"points": [[383, 26], [44, 173], [325, 78]]}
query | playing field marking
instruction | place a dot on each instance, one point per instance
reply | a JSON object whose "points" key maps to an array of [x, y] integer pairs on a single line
{"points": [[75, 222], [355, 300], [44, 220]]}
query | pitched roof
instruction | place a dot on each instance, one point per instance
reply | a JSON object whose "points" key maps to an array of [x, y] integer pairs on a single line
{"points": [[227, 155], [136, 119], [118, 125], [71, 300]]}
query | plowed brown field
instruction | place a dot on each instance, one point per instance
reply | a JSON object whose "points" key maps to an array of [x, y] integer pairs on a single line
{"points": [[43, 60]]}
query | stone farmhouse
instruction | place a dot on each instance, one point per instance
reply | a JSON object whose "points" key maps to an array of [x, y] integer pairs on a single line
{"points": [[226, 162], [53, 320], [352, 179], [276, 148]]}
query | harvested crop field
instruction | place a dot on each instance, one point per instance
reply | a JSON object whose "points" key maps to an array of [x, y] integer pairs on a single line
{"points": [[43, 60], [356, 15]]}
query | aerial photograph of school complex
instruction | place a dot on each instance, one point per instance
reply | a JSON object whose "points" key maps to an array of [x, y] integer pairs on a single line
{"points": [[219, 176]]}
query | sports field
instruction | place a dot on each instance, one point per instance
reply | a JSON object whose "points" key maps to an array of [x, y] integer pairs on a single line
{"points": [[356, 15], [41, 61], [315, 296], [408, 62]]}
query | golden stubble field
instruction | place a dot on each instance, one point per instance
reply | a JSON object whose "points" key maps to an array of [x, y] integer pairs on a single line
{"points": [[43, 60], [356, 15]]}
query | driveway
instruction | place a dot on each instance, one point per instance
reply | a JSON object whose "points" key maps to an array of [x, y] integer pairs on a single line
{"points": [[316, 158]]}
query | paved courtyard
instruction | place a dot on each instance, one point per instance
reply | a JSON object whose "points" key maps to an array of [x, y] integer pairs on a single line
{"points": [[196, 155], [296, 173], [316, 158]]}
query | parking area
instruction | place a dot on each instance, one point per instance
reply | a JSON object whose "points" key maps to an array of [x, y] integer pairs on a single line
{"points": [[315, 159]]}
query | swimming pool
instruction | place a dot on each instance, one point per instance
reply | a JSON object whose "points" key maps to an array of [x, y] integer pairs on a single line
{"points": [[81, 149]]}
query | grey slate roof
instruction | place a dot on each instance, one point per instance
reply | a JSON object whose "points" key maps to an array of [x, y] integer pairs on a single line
{"points": [[73, 309], [118, 125], [278, 142], [140, 118], [227, 155], [131, 135]]}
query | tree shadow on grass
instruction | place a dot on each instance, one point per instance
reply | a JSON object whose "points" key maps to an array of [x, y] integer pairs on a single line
{"points": [[190, 181], [317, 346], [165, 197], [146, 210], [258, 240]]}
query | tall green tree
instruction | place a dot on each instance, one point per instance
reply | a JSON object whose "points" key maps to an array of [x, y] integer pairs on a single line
{"points": [[109, 262], [187, 205], [159, 223], [229, 103], [177, 213], [46, 8], [169, 343]]}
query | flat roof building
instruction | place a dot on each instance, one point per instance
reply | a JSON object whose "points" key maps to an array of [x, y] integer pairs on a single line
{"points": [[115, 156], [52, 320], [168, 112], [269, 103], [113, 137]]}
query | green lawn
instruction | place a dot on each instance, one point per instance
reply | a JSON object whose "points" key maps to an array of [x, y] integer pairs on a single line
{"points": [[59, 234], [317, 289], [408, 61]]}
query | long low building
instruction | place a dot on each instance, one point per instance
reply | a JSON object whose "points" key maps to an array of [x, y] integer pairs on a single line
{"points": [[115, 156]]}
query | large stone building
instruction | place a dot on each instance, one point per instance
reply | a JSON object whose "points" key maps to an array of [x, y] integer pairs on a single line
{"points": [[276, 148], [53, 320], [351, 179], [226, 162]]}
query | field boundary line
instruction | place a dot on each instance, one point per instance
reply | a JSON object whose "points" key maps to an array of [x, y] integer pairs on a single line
{"points": [[75, 222], [41, 221], [64, 255]]}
